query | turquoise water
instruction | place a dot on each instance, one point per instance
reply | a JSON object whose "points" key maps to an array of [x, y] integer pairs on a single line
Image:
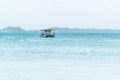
{"points": [[68, 56], [29, 46]]}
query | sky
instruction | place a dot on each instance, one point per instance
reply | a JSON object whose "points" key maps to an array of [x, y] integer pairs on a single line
{"points": [[37, 14]]}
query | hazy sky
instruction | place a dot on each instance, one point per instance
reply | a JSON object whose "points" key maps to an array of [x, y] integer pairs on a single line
{"points": [[36, 14]]}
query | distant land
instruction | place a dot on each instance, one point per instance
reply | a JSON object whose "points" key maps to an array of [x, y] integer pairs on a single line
{"points": [[58, 29], [12, 29]]}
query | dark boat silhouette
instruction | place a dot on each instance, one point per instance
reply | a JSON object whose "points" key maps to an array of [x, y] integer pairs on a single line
{"points": [[47, 33]]}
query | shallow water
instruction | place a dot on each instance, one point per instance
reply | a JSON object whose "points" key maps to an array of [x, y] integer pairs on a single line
{"points": [[68, 56]]}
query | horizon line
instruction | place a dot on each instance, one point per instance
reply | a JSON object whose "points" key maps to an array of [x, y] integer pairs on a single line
{"points": [[62, 28]]}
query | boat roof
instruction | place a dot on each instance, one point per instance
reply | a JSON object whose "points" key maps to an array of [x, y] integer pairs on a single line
{"points": [[50, 29]]}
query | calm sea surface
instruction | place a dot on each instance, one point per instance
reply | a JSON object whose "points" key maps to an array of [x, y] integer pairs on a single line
{"points": [[68, 56], [29, 46]]}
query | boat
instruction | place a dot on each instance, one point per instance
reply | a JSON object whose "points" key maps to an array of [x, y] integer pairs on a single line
{"points": [[47, 33]]}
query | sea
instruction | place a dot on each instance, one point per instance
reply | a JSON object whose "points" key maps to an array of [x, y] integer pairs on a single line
{"points": [[67, 56]]}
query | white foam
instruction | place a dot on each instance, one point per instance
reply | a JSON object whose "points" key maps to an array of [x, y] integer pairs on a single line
{"points": [[60, 70]]}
